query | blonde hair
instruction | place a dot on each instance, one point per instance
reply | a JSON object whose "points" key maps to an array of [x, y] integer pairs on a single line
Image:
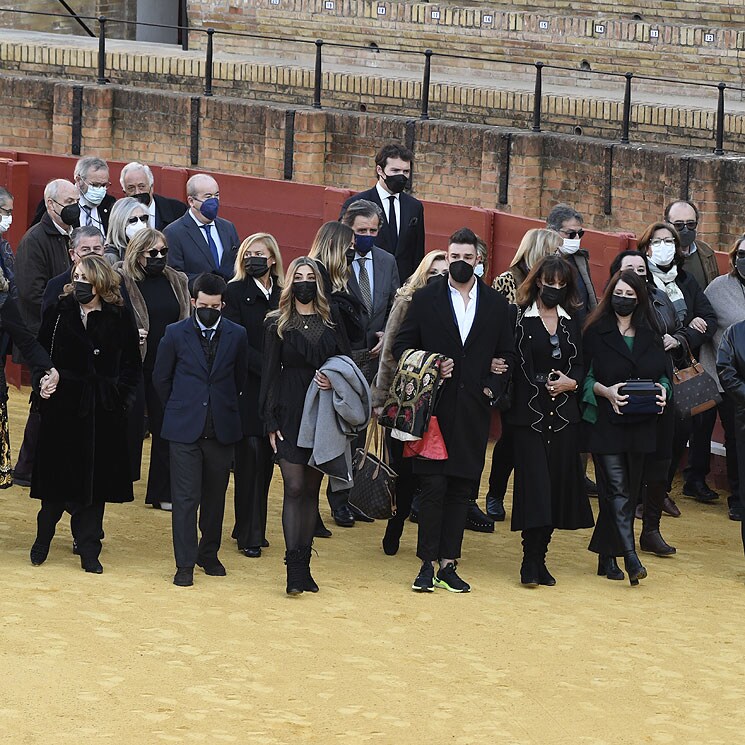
{"points": [[271, 245], [286, 313], [104, 279], [421, 274], [142, 241], [330, 248], [536, 244]]}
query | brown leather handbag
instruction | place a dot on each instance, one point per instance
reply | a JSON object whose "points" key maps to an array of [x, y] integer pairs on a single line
{"points": [[694, 390]]}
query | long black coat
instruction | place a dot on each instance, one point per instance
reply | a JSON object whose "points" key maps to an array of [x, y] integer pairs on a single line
{"points": [[697, 304], [612, 362], [463, 411], [82, 455], [731, 370], [246, 305]]}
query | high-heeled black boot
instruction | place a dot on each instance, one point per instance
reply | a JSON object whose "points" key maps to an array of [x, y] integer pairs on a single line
{"points": [[608, 567], [651, 539], [634, 567], [532, 557], [296, 568], [309, 583]]}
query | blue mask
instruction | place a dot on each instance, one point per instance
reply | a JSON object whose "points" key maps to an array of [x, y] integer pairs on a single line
{"points": [[210, 208], [364, 243]]}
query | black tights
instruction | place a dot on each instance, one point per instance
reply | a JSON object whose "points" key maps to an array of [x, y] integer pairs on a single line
{"points": [[300, 507]]}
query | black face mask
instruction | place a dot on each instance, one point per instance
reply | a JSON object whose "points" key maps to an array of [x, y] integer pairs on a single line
{"points": [[553, 296], [256, 266], [349, 253], [623, 306], [208, 316], [83, 292], [434, 278], [461, 271], [740, 266], [305, 292], [70, 215], [144, 197], [396, 183], [155, 266], [687, 236]]}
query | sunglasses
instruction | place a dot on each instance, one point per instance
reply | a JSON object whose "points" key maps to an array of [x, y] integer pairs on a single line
{"points": [[142, 218], [572, 234], [556, 351], [689, 224], [154, 253]]}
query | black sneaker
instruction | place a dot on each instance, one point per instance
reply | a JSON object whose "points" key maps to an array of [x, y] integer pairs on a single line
{"points": [[448, 579], [425, 580]]}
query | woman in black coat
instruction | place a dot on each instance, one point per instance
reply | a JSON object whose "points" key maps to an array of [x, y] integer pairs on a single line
{"points": [[620, 345], [251, 294], [544, 418], [82, 458]]}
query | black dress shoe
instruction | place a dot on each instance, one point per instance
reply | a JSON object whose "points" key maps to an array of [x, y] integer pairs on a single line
{"points": [[264, 543], [252, 552], [495, 508], [359, 515], [734, 509], [39, 553], [591, 487], [343, 516], [634, 568], [414, 516], [477, 520], [184, 577], [213, 568], [669, 507], [392, 537], [321, 530], [92, 566], [700, 491]]}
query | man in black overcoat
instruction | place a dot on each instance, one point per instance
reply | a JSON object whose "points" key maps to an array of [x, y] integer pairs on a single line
{"points": [[467, 321]]}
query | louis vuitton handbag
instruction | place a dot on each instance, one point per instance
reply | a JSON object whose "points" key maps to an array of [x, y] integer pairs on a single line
{"points": [[694, 390], [374, 490]]}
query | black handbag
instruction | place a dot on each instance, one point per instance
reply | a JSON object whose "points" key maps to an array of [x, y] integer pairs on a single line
{"points": [[642, 397], [374, 489], [694, 390]]}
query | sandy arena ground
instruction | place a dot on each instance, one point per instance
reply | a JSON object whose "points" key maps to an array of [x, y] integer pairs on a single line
{"points": [[126, 657]]}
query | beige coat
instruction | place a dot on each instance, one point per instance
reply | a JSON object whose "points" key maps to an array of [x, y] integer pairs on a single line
{"points": [[388, 364]]}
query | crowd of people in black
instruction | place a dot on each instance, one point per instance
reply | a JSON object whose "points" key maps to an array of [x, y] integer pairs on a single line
{"points": [[148, 316]]}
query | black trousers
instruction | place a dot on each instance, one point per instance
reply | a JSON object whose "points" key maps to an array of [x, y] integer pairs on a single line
{"points": [[699, 446], [159, 474], [619, 479], [502, 463], [86, 524], [253, 476], [443, 508], [199, 478], [25, 462]]}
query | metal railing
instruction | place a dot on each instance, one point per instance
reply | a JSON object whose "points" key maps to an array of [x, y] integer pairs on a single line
{"points": [[427, 54]]}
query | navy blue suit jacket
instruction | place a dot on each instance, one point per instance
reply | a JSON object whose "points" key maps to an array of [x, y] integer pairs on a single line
{"points": [[187, 388], [188, 250]]}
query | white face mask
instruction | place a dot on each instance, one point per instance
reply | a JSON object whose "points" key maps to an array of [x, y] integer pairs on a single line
{"points": [[132, 230], [5, 222], [95, 194], [663, 253], [570, 245], [478, 270]]}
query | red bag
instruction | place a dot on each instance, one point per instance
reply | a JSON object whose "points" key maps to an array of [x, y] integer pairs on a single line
{"points": [[431, 446]]}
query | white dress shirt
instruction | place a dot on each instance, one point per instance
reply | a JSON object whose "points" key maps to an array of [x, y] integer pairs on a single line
{"points": [[267, 293], [464, 314], [94, 219], [368, 265], [151, 212], [383, 194], [215, 234]]}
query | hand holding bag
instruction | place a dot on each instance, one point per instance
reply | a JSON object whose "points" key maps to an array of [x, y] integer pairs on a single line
{"points": [[694, 390], [374, 489]]}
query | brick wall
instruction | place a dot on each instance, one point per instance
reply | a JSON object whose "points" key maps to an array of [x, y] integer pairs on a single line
{"points": [[66, 24], [617, 187]]}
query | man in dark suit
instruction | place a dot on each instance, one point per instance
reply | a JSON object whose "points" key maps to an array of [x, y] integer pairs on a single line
{"points": [[374, 282], [200, 372], [402, 232], [200, 241], [137, 181], [467, 321]]}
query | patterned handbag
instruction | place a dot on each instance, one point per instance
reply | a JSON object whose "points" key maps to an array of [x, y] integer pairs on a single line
{"points": [[694, 390], [374, 490]]}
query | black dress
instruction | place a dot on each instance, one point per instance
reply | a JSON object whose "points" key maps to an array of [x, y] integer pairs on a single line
{"points": [[288, 369], [549, 479]]}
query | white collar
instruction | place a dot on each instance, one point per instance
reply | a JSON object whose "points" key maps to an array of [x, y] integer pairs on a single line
{"points": [[533, 312], [471, 292], [202, 327], [383, 194], [266, 292], [199, 224]]}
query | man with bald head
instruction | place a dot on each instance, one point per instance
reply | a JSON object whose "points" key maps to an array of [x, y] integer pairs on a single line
{"points": [[43, 250], [200, 241]]}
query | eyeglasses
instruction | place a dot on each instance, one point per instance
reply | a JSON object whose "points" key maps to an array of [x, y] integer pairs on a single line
{"points": [[687, 224], [154, 253], [572, 234], [657, 242], [6, 213], [141, 218], [556, 351], [102, 184]]}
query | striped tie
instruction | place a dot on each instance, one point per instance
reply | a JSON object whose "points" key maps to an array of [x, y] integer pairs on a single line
{"points": [[364, 283]]}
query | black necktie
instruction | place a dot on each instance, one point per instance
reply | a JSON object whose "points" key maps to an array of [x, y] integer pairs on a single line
{"points": [[392, 223], [207, 333], [87, 210]]}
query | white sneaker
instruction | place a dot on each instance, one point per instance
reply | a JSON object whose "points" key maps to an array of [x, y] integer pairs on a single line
{"points": [[167, 506]]}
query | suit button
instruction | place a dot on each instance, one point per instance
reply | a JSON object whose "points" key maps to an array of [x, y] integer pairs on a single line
{"points": [[204, 403], [96, 351]]}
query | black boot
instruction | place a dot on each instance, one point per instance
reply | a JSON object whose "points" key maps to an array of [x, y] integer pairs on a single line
{"points": [[608, 567], [392, 537], [309, 584], [296, 569], [477, 520], [321, 530], [634, 567], [532, 558], [544, 576], [495, 508], [650, 539]]}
